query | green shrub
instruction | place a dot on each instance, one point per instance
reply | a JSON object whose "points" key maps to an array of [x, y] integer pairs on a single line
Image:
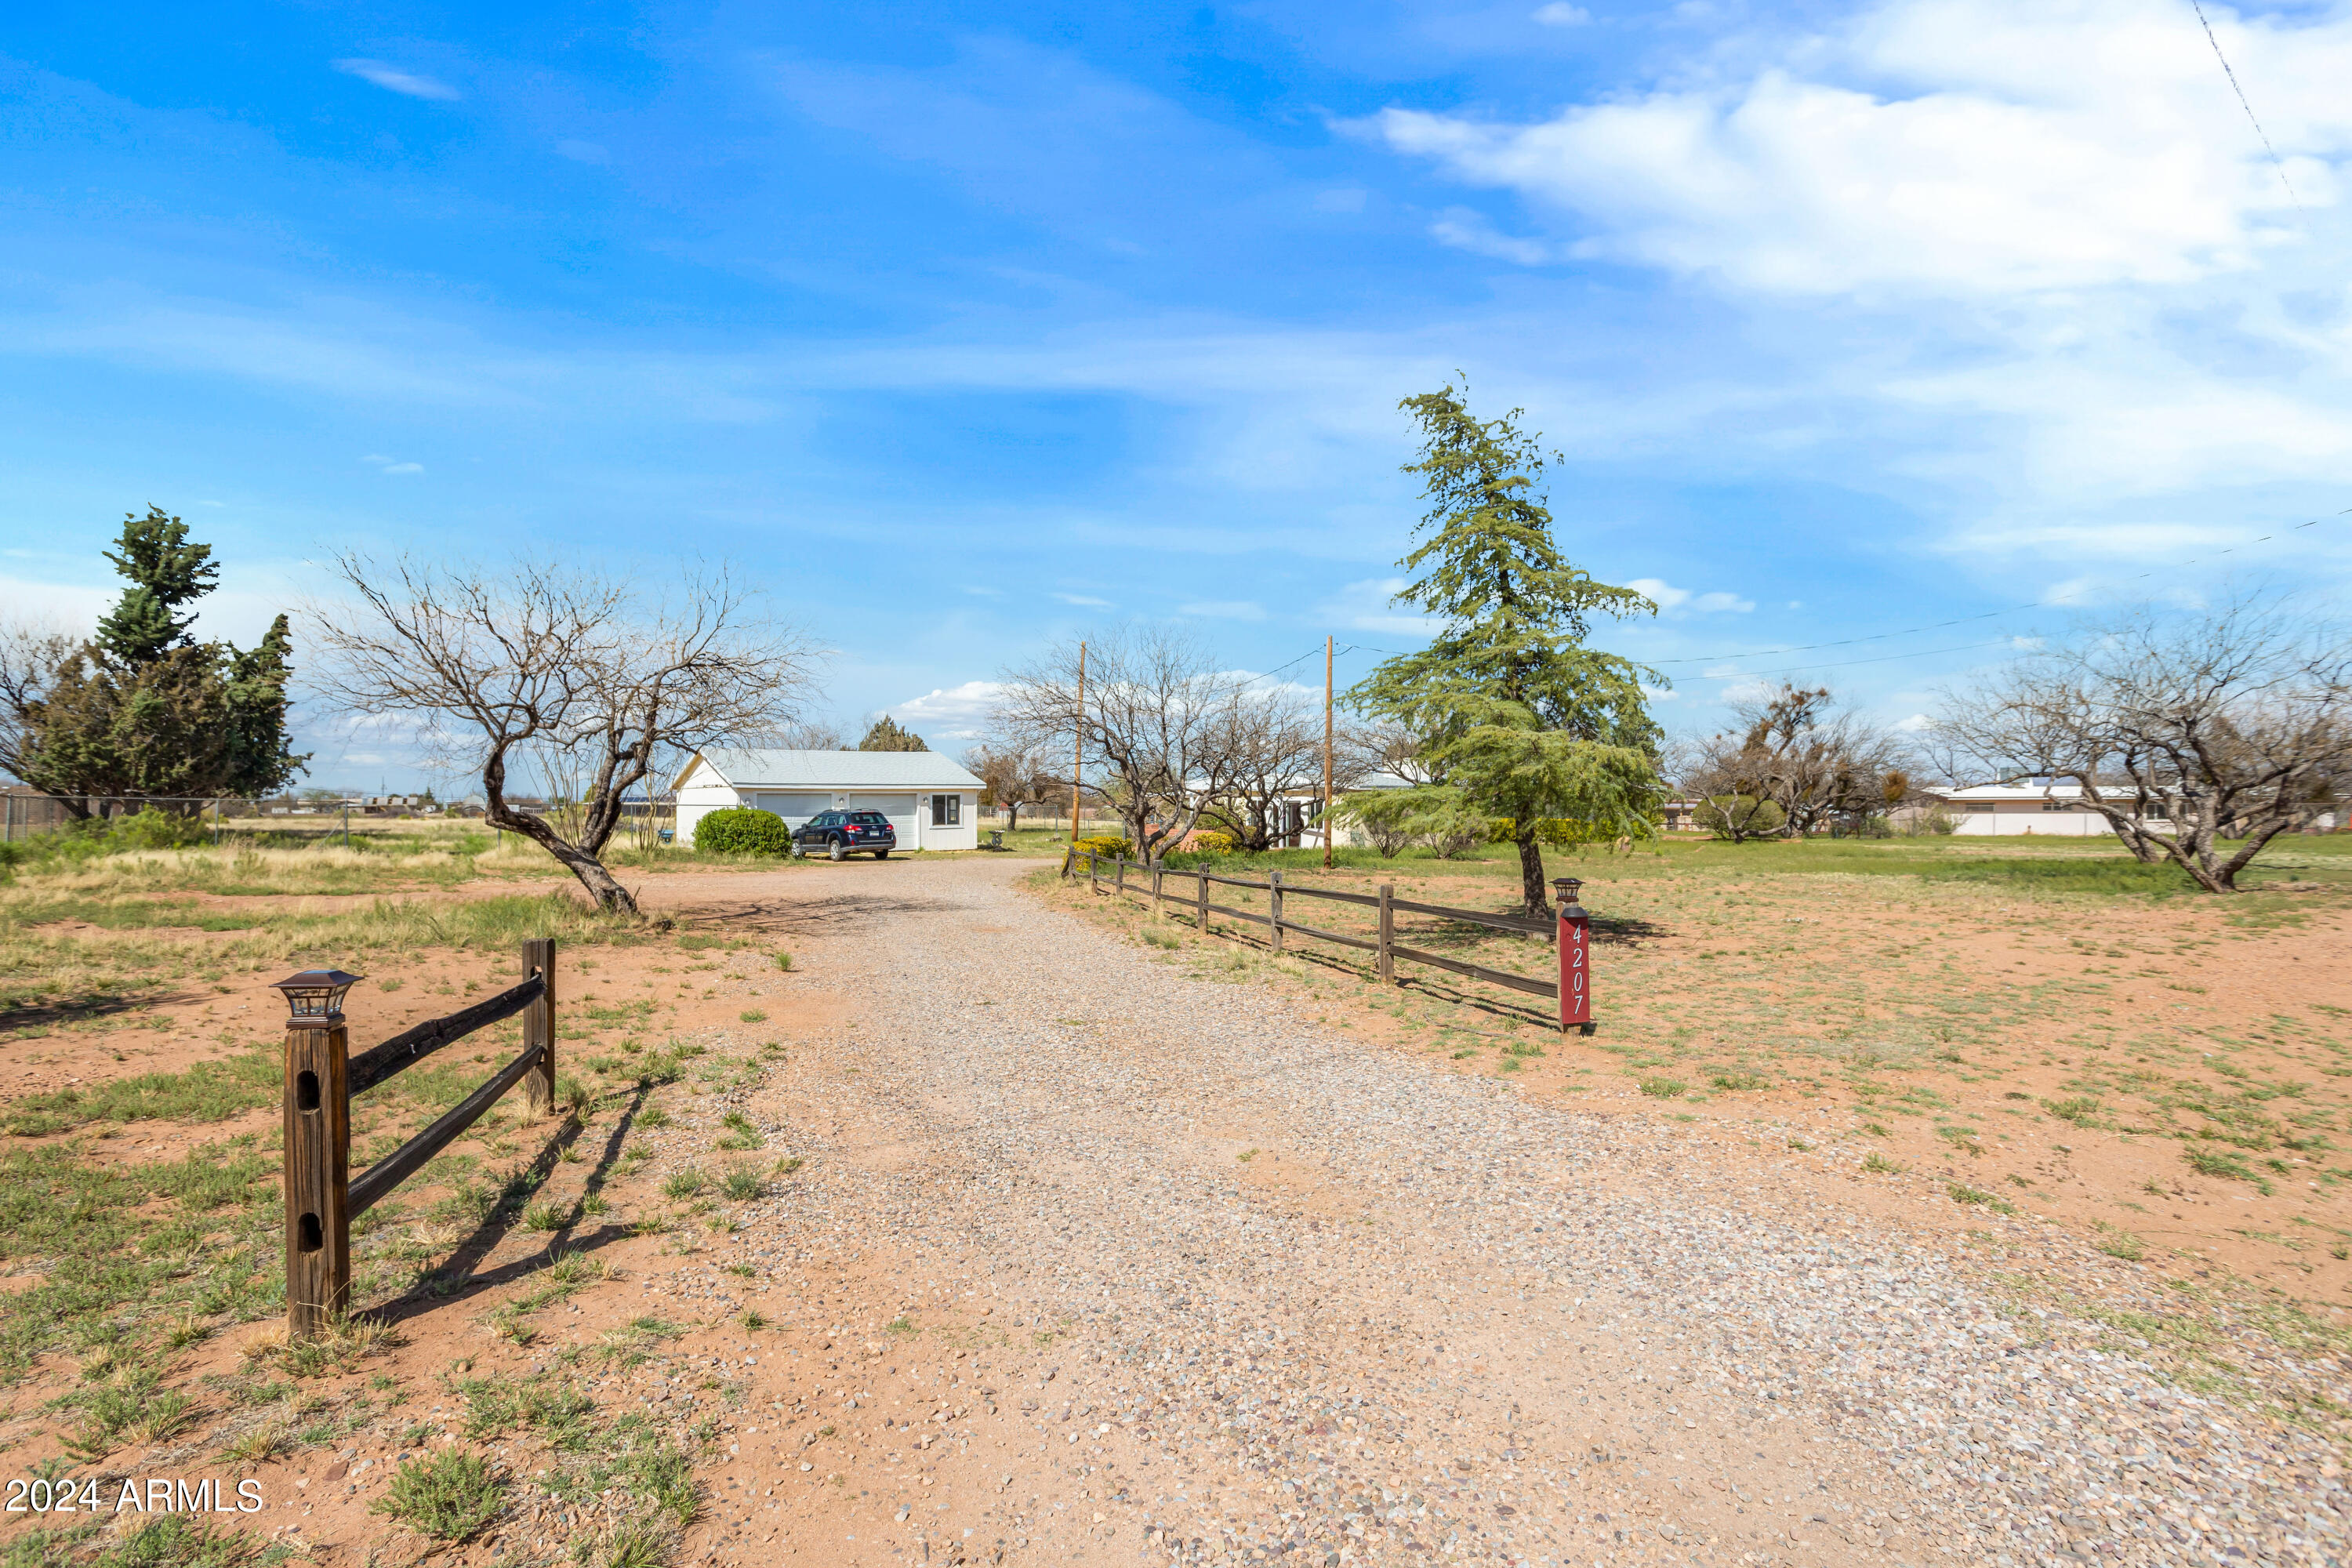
{"points": [[449, 1497], [742, 830], [1741, 815], [153, 829]]}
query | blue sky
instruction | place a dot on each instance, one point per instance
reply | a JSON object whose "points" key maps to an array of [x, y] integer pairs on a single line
{"points": [[966, 328]]}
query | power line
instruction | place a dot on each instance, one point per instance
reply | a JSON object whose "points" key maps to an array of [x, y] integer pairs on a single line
{"points": [[2197, 6]]}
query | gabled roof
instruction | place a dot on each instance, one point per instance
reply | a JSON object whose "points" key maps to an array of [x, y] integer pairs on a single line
{"points": [[829, 769]]}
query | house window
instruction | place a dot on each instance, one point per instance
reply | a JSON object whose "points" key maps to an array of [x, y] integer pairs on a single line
{"points": [[947, 811], [2057, 805]]}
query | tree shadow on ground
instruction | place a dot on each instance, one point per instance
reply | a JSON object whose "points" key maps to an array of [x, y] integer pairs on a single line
{"points": [[841, 912], [90, 1005]]}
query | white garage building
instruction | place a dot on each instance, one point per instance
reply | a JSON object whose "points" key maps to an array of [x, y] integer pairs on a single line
{"points": [[931, 803]]}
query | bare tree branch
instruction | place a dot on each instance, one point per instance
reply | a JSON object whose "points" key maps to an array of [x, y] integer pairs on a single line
{"points": [[566, 667], [2184, 732], [1159, 720]]}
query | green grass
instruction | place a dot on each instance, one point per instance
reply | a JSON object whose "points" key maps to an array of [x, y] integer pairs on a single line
{"points": [[2214, 1163], [449, 1497], [208, 1091], [2094, 865], [114, 1272], [685, 1183]]}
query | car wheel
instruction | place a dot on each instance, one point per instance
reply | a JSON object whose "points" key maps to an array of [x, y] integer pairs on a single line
{"points": [[881, 854], [832, 850]]}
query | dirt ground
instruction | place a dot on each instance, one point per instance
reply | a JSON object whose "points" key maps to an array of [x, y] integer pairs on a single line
{"points": [[850, 1393]]}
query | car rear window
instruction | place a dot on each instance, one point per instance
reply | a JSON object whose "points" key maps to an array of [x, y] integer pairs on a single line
{"points": [[874, 817]]}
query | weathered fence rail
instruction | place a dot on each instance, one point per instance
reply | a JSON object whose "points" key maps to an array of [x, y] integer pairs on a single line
{"points": [[322, 1197], [1570, 935]]}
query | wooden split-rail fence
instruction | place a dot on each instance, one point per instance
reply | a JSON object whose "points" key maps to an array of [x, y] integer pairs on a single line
{"points": [[1571, 933], [322, 1197]]}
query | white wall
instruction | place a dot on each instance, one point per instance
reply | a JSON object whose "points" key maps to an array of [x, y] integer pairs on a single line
{"points": [[2004, 818], [964, 835], [913, 824], [697, 800]]}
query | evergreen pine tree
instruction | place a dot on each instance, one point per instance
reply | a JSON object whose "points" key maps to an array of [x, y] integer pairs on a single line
{"points": [[166, 570], [886, 736], [143, 709], [1517, 718]]}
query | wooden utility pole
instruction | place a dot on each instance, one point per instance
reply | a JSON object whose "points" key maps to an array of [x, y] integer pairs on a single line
{"points": [[1078, 744], [1328, 827]]}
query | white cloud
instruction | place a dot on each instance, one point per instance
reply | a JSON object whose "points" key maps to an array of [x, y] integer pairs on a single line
{"points": [[1671, 599], [384, 465], [1084, 600], [1559, 14], [1224, 610], [1914, 724], [1466, 230], [1366, 606], [1969, 147], [957, 713], [395, 79]]}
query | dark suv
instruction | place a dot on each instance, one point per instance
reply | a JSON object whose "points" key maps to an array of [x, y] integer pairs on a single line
{"points": [[840, 832]]}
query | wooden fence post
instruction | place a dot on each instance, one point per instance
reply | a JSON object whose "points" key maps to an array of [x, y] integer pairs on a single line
{"points": [[1274, 907], [1388, 933], [1066, 863], [1118, 866], [318, 1174], [1201, 911], [539, 1026], [1094, 873]]}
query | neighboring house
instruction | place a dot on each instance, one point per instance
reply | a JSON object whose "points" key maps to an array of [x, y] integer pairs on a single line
{"points": [[931, 803], [2045, 808]]}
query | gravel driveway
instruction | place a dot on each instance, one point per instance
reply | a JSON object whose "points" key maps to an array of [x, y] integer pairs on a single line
{"points": [[1258, 1290]]}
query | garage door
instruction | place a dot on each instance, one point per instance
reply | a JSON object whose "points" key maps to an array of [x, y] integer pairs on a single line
{"points": [[795, 809], [899, 808]]}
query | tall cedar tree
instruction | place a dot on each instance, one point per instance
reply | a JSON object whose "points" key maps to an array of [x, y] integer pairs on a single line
{"points": [[886, 736], [144, 709], [1517, 720]]}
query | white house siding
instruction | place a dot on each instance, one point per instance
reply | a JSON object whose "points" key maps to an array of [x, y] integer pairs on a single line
{"points": [[795, 785], [696, 800], [2013, 816], [961, 834]]}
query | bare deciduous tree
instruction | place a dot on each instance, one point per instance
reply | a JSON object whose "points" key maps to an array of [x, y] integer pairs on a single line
{"points": [[2184, 731], [1792, 763], [30, 657], [812, 735], [1015, 775], [1158, 720], [568, 668], [1276, 751]]}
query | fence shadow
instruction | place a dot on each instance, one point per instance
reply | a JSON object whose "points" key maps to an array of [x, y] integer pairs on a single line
{"points": [[455, 1278]]}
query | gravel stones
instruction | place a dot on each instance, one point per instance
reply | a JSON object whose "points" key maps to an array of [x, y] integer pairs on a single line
{"points": [[1304, 1300]]}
